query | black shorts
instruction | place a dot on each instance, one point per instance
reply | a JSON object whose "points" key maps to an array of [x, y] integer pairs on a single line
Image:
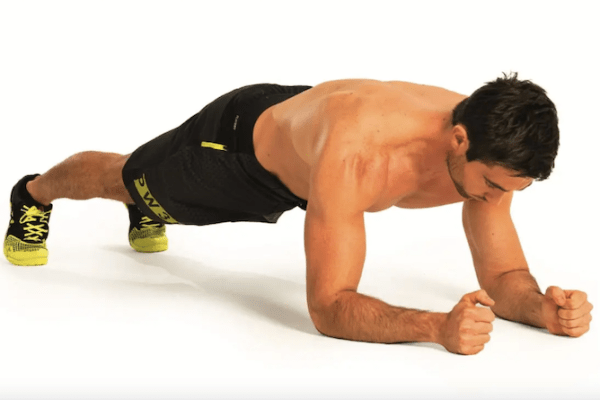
{"points": [[205, 171]]}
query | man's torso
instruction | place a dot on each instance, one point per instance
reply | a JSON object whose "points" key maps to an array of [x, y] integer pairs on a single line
{"points": [[406, 121]]}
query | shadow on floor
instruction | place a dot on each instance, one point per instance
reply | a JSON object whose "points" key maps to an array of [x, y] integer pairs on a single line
{"points": [[276, 299]]}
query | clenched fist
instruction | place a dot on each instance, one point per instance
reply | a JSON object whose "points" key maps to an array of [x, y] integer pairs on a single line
{"points": [[566, 312], [467, 327]]}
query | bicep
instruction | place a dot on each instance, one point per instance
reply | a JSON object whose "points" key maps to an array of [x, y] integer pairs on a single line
{"points": [[493, 240], [335, 255], [343, 185]]}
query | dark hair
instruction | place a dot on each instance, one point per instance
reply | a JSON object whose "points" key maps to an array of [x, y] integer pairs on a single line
{"points": [[513, 124]]}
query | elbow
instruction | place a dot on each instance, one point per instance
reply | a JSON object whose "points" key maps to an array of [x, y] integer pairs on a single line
{"points": [[322, 315], [493, 284], [318, 322], [329, 311], [320, 319], [491, 290], [489, 287]]}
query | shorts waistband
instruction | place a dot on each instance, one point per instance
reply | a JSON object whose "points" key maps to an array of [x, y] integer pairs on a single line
{"points": [[249, 104]]}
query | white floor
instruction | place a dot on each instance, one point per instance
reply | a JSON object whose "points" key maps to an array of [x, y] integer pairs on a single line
{"points": [[222, 313]]}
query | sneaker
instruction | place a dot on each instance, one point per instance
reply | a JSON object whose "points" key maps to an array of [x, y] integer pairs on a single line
{"points": [[25, 240], [145, 234]]}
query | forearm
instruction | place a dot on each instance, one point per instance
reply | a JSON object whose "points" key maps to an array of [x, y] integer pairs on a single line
{"points": [[518, 298], [354, 316]]}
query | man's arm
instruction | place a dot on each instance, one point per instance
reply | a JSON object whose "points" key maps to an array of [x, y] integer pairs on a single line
{"points": [[348, 176], [344, 184], [503, 272], [341, 189], [500, 263]]}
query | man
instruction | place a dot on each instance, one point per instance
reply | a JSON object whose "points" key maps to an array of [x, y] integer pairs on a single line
{"points": [[338, 150]]}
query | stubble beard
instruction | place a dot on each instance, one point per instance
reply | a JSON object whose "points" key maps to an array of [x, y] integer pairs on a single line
{"points": [[459, 188]]}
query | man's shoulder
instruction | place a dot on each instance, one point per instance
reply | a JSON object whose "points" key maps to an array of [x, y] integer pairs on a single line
{"points": [[379, 119]]}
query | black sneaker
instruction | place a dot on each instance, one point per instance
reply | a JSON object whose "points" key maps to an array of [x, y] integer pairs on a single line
{"points": [[145, 234], [25, 240]]}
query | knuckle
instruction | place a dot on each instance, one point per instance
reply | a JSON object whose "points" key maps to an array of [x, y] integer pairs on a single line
{"points": [[574, 323], [570, 324], [573, 332], [562, 323]]}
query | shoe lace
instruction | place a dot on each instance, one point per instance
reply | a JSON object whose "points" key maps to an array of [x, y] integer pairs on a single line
{"points": [[33, 214], [147, 223]]}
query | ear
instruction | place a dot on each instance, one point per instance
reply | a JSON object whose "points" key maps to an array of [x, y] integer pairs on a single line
{"points": [[460, 139]]}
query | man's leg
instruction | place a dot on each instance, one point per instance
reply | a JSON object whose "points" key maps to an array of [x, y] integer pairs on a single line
{"points": [[93, 174], [83, 176]]}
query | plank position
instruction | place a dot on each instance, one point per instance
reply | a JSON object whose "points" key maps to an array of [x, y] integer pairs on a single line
{"points": [[338, 150]]}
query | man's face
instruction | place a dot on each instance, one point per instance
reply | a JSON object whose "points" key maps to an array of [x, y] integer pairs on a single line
{"points": [[476, 181]]}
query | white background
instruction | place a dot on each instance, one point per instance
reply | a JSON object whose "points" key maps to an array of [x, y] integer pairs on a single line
{"points": [[222, 314]]}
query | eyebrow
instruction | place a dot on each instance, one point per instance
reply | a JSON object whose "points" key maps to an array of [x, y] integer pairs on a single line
{"points": [[501, 188]]}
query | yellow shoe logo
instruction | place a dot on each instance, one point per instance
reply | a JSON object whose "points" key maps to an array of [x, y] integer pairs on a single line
{"points": [[155, 207]]}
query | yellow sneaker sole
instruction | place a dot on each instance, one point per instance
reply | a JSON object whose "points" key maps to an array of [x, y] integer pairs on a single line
{"points": [[25, 255], [150, 245]]}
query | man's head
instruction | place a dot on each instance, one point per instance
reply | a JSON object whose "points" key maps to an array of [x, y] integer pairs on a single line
{"points": [[504, 136]]}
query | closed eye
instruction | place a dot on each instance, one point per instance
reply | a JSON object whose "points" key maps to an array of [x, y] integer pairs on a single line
{"points": [[494, 185]]}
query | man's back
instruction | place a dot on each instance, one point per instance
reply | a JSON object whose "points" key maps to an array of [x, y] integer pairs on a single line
{"points": [[401, 119]]}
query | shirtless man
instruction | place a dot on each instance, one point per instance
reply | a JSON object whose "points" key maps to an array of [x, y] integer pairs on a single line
{"points": [[338, 150]]}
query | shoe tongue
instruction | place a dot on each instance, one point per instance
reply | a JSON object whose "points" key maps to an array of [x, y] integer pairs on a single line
{"points": [[34, 210], [25, 196]]}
